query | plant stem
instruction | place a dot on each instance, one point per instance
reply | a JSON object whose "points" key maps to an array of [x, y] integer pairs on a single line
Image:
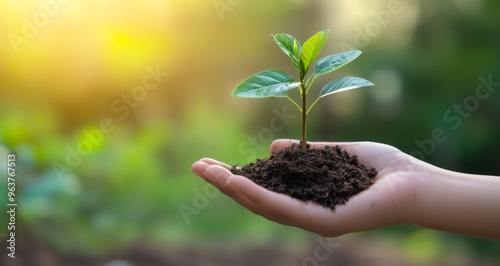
{"points": [[304, 115]]}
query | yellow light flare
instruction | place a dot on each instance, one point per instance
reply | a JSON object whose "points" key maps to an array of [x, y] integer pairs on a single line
{"points": [[68, 47]]}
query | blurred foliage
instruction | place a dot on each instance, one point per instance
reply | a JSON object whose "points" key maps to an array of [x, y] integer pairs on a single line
{"points": [[424, 59]]}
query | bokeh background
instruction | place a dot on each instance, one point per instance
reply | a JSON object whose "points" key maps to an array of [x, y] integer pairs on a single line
{"points": [[103, 164]]}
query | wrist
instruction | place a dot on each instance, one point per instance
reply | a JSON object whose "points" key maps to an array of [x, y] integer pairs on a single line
{"points": [[456, 202], [426, 177], [418, 178]]}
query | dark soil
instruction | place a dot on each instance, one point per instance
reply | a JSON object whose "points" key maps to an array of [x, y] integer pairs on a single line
{"points": [[328, 176]]}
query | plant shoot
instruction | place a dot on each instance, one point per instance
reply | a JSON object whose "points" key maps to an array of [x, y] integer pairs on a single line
{"points": [[276, 83]]}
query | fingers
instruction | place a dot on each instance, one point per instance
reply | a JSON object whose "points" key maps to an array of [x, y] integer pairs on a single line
{"points": [[240, 188], [218, 174]]}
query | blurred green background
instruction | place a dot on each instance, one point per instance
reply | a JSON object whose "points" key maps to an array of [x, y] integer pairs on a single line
{"points": [[103, 164]]}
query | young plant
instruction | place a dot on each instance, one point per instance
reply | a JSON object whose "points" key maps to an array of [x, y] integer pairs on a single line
{"points": [[276, 83]]}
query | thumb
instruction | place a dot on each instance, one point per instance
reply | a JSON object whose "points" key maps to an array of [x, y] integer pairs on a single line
{"points": [[280, 144]]}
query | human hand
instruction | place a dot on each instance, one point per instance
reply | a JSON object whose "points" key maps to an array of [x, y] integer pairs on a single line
{"points": [[390, 200]]}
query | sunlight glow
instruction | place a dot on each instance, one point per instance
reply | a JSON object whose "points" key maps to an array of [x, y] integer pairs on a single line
{"points": [[64, 47]]}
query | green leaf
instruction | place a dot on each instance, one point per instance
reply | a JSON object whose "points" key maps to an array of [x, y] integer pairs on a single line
{"points": [[343, 84], [268, 83], [330, 63], [290, 46], [311, 49]]}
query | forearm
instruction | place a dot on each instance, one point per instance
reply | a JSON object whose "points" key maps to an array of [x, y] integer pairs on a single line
{"points": [[458, 203]]}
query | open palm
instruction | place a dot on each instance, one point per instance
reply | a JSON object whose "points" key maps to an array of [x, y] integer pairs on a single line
{"points": [[388, 201]]}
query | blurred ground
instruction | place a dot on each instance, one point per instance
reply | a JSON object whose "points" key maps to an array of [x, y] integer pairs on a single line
{"points": [[347, 252]]}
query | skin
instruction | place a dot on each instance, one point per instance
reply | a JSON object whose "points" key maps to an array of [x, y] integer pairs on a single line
{"points": [[406, 190]]}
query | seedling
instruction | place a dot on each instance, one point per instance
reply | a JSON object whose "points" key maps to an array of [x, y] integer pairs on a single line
{"points": [[276, 83]]}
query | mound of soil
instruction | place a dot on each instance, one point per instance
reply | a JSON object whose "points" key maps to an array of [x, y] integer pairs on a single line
{"points": [[328, 176]]}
